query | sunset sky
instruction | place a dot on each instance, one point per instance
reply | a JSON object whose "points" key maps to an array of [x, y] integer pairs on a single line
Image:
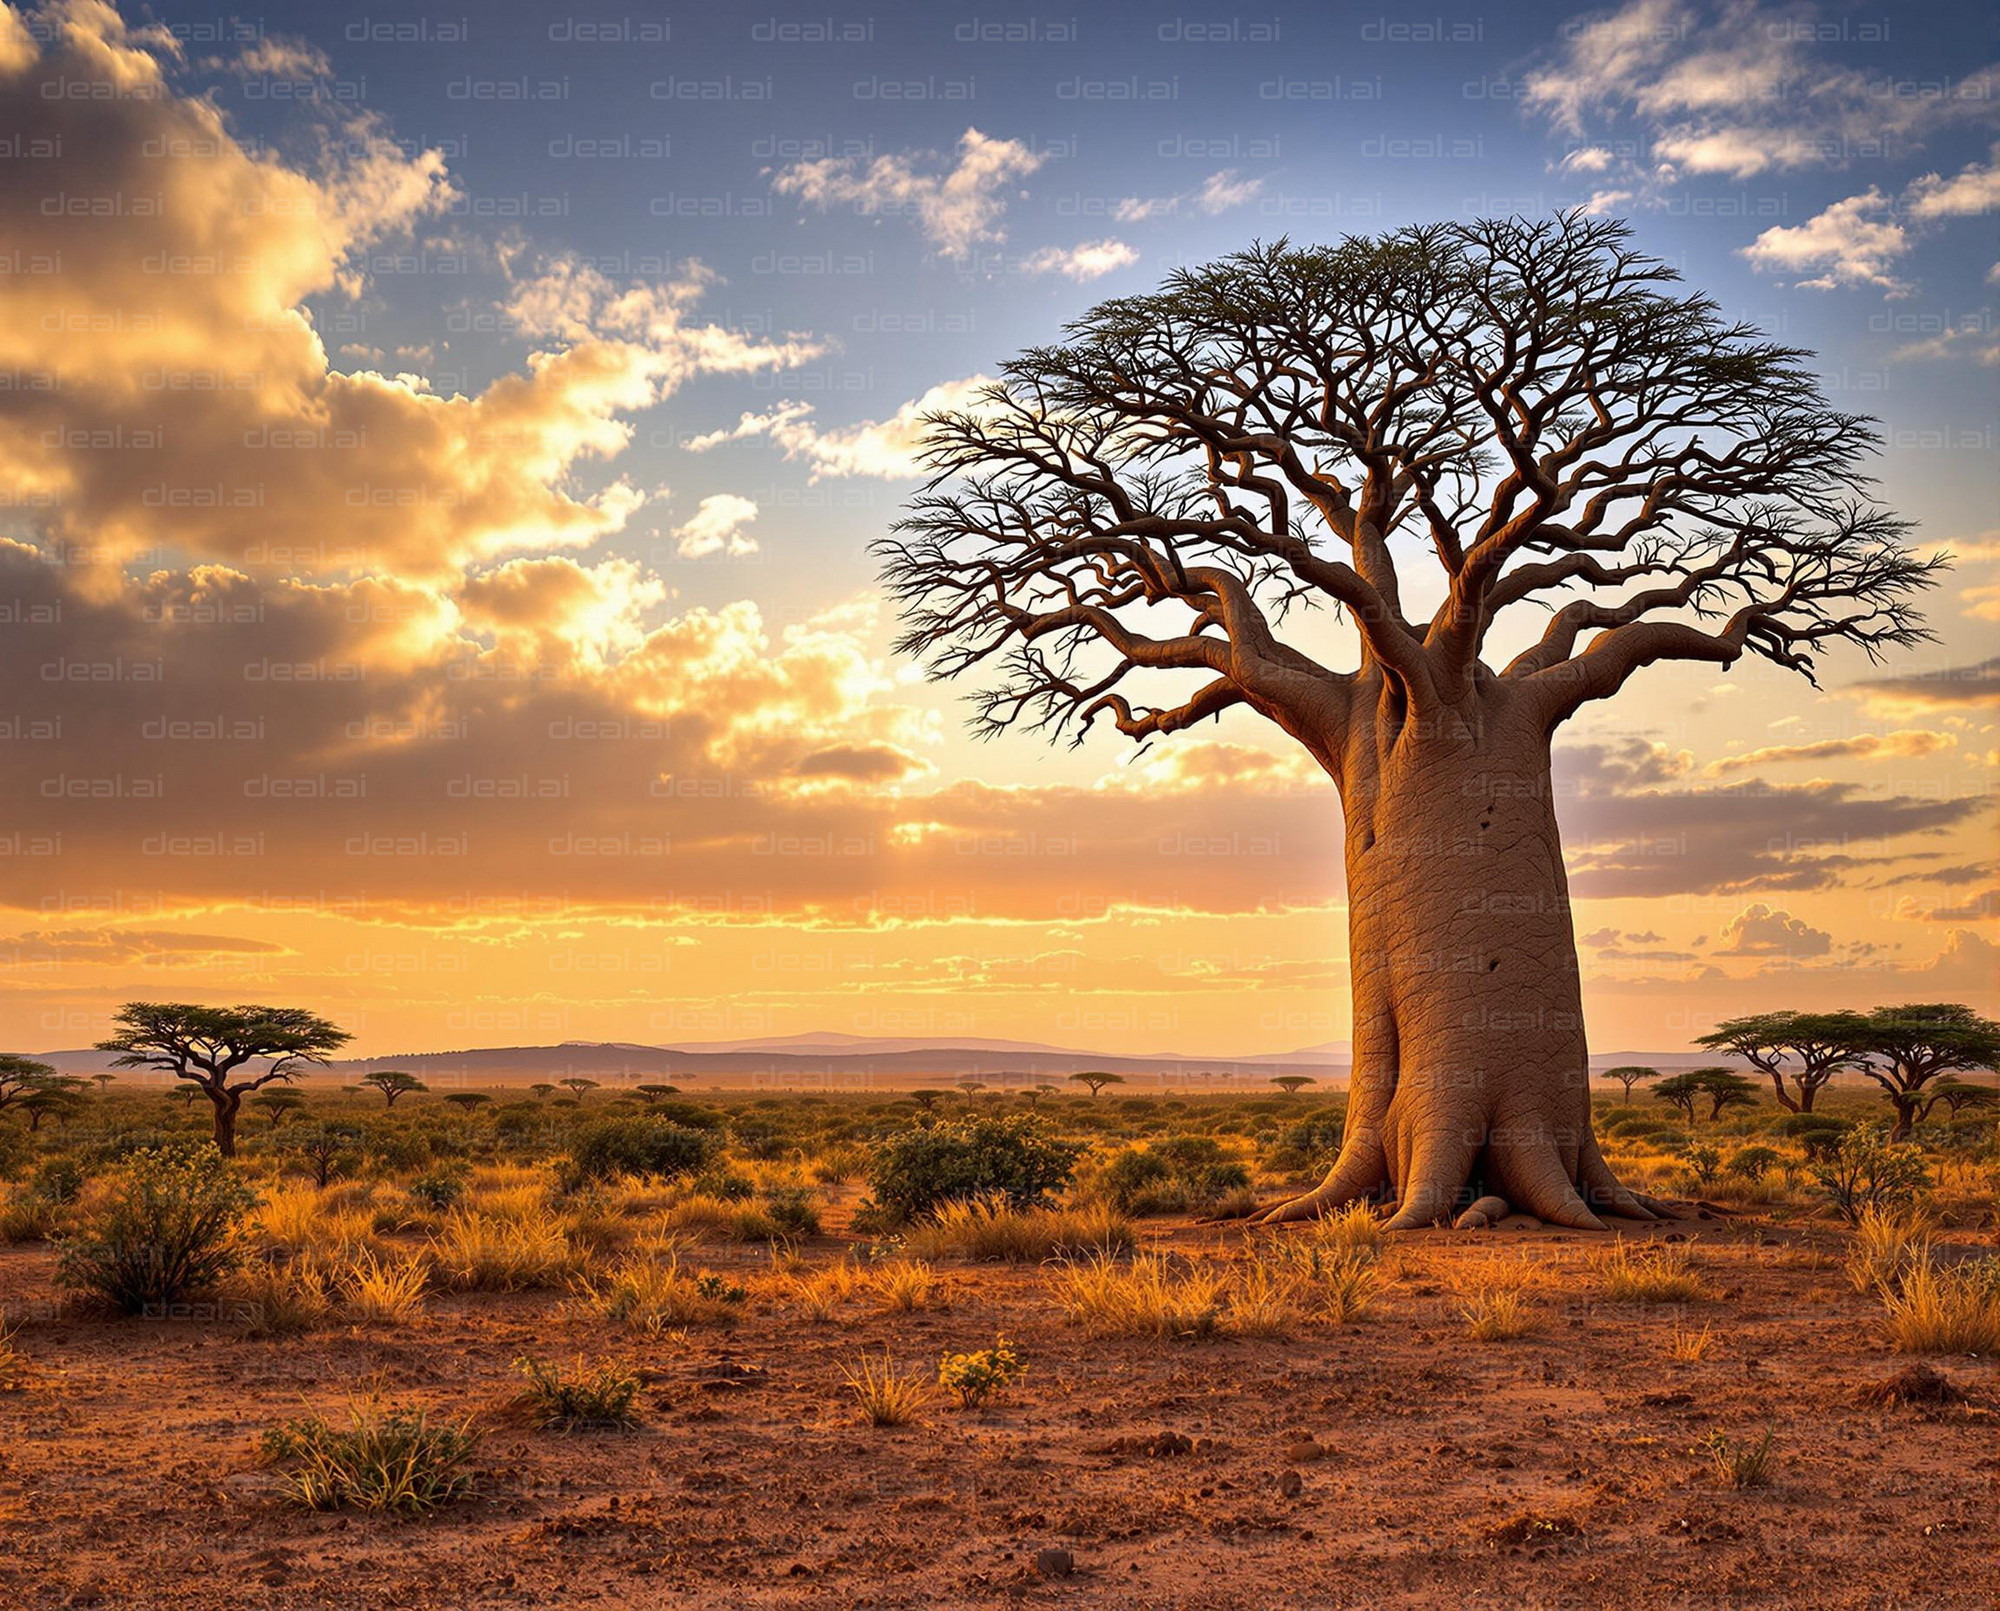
{"points": [[439, 453]]}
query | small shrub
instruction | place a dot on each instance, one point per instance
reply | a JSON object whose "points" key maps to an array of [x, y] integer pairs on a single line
{"points": [[1885, 1244], [597, 1399], [57, 1180], [25, 1217], [439, 1190], [982, 1375], [649, 1148], [792, 1211], [1752, 1164], [166, 1229], [1865, 1171], [1014, 1158], [820, 1294], [1702, 1163], [887, 1396], [1740, 1464], [397, 1461], [905, 1286]]}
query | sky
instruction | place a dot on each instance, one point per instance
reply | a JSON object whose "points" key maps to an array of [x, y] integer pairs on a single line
{"points": [[439, 452]]}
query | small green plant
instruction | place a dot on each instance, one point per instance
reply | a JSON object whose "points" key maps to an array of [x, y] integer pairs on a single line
{"points": [[167, 1229], [715, 1289], [589, 1400], [982, 1375], [401, 1462], [1703, 1164], [792, 1211], [1740, 1464], [57, 1180], [1499, 1314]]}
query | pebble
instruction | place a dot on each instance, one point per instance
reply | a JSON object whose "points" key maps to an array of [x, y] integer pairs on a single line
{"points": [[1304, 1452], [1291, 1485]]}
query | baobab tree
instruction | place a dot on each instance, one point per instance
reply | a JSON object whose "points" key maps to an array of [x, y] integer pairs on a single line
{"points": [[1530, 411], [207, 1046]]}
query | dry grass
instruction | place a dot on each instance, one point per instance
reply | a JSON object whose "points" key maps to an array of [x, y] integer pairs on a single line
{"points": [[1886, 1244], [1149, 1297], [819, 1294], [298, 1219], [905, 1286], [1499, 1314], [655, 1296], [1648, 1272], [1357, 1228], [887, 1395], [384, 1291], [472, 1252], [26, 1216], [1937, 1310], [284, 1296], [1740, 1465], [992, 1230], [17, 1374], [1686, 1346]]}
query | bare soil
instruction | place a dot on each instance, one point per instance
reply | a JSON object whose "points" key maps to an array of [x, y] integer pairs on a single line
{"points": [[1559, 1470]]}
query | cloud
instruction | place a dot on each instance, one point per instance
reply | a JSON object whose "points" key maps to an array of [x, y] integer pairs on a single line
{"points": [[1220, 192], [958, 208], [1973, 339], [717, 527], [886, 449], [1974, 190], [1906, 743], [1758, 931], [1633, 826], [1089, 261], [275, 57], [1850, 243], [197, 412], [1732, 90], [1946, 688]]}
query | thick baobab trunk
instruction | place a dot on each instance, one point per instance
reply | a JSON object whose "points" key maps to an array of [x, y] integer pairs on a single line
{"points": [[1471, 1076]]}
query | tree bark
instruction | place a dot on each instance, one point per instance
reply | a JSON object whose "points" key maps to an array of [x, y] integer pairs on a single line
{"points": [[1471, 1073], [227, 1105]]}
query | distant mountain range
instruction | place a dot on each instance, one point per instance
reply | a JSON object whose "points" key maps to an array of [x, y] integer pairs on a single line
{"points": [[835, 1062]]}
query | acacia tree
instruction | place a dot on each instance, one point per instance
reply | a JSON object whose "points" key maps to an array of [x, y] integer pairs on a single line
{"points": [[1907, 1047], [1524, 409], [1629, 1075], [1097, 1079], [392, 1083], [21, 1078], [1822, 1043], [206, 1046]]}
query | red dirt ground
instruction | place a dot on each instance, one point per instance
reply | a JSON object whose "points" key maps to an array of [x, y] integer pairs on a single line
{"points": [[1559, 1470]]}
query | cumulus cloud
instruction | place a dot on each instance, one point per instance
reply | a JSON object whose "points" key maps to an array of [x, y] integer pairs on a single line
{"points": [[190, 405], [716, 527], [1973, 190], [1852, 242], [887, 449], [1091, 260], [1759, 931], [958, 207]]}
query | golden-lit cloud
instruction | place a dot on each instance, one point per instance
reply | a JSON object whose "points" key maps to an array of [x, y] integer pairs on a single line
{"points": [[1905, 743]]}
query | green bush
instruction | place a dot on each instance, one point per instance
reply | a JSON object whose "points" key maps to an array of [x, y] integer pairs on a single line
{"points": [[15, 1149], [589, 1399], [57, 1180], [1181, 1174], [1865, 1171], [793, 1211], [1014, 1158], [166, 1230], [649, 1148], [438, 1190], [1754, 1163]]}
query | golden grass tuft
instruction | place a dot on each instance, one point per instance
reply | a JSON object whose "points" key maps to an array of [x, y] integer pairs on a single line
{"points": [[1147, 1297], [383, 1291], [472, 1252], [1499, 1314], [655, 1296], [887, 1394], [1938, 1310], [1887, 1242], [993, 1230], [819, 1294], [1648, 1272], [1686, 1346], [905, 1285]]}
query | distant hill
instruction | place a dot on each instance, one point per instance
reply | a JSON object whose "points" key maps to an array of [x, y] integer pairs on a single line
{"points": [[832, 1061]]}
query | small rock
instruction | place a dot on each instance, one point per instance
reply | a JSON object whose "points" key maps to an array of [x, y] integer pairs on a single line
{"points": [[1304, 1452], [1291, 1485], [1054, 1562], [1519, 1222]]}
